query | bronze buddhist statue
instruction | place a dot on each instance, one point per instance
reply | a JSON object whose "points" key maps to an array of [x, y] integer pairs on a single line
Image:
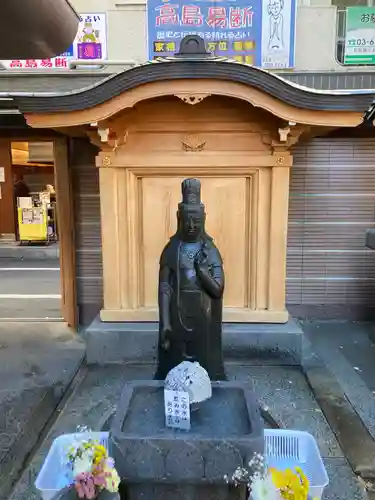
{"points": [[191, 286]]}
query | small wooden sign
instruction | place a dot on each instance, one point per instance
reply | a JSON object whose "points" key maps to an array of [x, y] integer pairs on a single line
{"points": [[177, 409]]}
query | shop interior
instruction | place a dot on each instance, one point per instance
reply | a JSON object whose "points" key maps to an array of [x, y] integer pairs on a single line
{"points": [[29, 259], [34, 193]]}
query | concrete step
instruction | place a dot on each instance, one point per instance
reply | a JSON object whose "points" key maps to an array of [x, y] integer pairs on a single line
{"points": [[118, 342]]}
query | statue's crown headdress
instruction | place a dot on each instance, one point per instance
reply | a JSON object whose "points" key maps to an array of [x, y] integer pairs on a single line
{"points": [[191, 195]]}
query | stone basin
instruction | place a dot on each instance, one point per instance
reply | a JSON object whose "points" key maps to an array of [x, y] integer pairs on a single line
{"points": [[225, 433], [214, 418]]}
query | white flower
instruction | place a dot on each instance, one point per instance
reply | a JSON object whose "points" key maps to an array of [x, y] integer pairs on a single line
{"points": [[83, 464], [112, 480], [262, 488]]}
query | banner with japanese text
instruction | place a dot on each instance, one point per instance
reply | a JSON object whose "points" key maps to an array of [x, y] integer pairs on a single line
{"points": [[258, 32], [89, 43], [360, 35]]}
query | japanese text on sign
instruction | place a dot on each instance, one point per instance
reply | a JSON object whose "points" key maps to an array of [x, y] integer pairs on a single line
{"points": [[360, 36], [56, 62], [259, 32], [216, 17], [228, 29], [177, 409], [368, 18]]}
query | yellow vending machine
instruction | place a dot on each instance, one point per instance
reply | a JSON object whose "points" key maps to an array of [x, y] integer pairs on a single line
{"points": [[36, 220], [33, 224]]}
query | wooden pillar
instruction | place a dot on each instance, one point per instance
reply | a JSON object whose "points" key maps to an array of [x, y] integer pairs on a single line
{"points": [[7, 208], [110, 237], [65, 219], [278, 237]]}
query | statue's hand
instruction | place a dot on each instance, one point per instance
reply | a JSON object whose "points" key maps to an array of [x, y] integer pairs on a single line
{"points": [[166, 333], [201, 260]]}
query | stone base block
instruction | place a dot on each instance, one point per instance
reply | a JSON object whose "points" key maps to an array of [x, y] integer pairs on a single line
{"points": [[279, 344], [154, 460], [71, 494], [188, 492]]}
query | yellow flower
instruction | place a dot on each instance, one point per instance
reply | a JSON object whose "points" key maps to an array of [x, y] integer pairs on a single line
{"points": [[100, 454], [100, 450], [293, 485]]}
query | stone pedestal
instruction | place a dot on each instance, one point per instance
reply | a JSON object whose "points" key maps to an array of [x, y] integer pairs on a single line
{"points": [[157, 462], [279, 344]]}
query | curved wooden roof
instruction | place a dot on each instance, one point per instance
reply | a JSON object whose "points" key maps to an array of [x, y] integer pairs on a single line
{"points": [[182, 69]]}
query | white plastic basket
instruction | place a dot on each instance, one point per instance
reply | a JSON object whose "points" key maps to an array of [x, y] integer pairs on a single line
{"points": [[285, 449], [53, 475]]}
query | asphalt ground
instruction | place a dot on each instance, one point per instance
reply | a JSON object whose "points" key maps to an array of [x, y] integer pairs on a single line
{"points": [[29, 289]]}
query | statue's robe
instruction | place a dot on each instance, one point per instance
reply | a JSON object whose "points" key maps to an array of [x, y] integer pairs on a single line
{"points": [[195, 310]]}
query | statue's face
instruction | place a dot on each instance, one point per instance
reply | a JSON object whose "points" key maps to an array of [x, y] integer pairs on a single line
{"points": [[191, 225]]}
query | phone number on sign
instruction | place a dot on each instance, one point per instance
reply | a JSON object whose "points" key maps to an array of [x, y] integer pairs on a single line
{"points": [[361, 42]]}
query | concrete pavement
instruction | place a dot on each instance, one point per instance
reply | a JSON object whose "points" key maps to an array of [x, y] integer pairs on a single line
{"points": [[38, 362], [348, 349], [13, 250], [282, 389], [29, 288], [329, 416], [347, 395]]}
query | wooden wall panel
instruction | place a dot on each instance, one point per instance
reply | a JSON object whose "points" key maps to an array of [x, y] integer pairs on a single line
{"points": [[7, 211], [224, 124], [332, 203], [89, 272]]}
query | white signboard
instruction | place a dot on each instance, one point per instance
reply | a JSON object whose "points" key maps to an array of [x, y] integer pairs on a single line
{"points": [[89, 43], [27, 216], [25, 202], [278, 33], [177, 409]]}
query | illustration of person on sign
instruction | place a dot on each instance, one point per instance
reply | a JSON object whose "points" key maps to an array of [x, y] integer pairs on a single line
{"points": [[276, 33]]}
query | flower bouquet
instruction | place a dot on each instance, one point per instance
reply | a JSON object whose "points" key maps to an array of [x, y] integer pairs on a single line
{"points": [[267, 483], [92, 469]]}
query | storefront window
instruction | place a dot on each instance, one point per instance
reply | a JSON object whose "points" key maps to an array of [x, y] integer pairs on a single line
{"points": [[341, 23]]}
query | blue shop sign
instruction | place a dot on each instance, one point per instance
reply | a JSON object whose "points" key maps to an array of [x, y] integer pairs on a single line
{"points": [[249, 31]]}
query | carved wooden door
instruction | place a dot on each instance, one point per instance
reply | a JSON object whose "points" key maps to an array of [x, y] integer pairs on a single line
{"points": [[225, 200]]}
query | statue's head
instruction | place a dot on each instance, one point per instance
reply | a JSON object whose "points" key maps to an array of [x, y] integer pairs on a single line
{"points": [[191, 215]]}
